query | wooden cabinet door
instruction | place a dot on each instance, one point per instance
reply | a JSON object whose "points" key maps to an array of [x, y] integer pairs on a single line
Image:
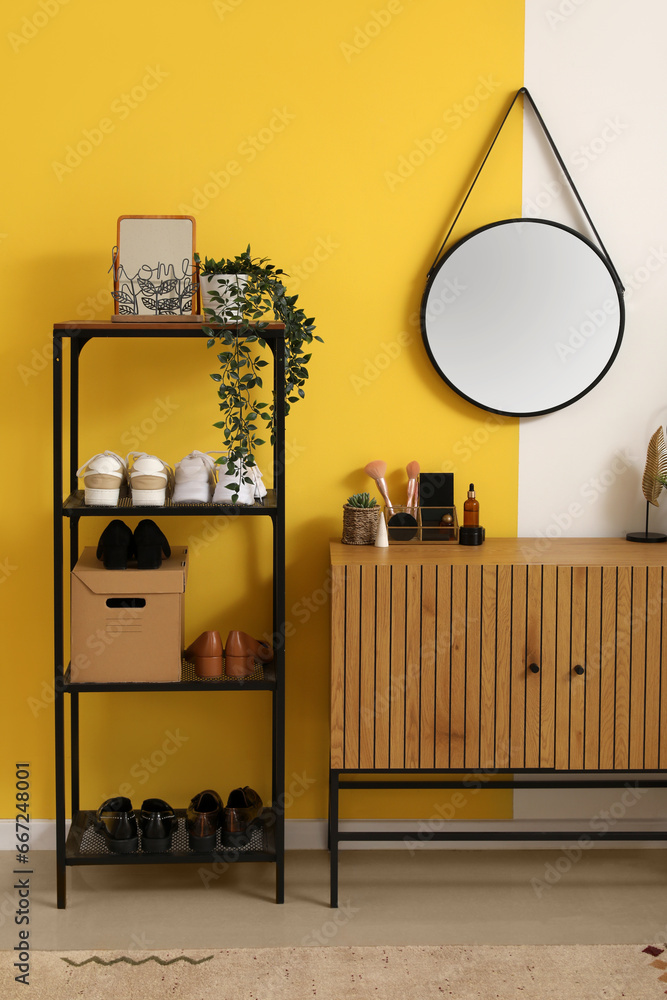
{"points": [[609, 639], [501, 712], [626, 647], [387, 700], [475, 667], [532, 666], [463, 667], [573, 665]]}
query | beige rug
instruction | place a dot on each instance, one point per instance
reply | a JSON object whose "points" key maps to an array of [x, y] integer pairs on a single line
{"points": [[524, 972]]}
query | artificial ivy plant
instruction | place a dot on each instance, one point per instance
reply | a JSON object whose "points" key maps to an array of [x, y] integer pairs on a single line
{"points": [[246, 305]]}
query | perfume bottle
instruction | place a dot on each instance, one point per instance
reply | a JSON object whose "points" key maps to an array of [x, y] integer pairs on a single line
{"points": [[471, 508]]}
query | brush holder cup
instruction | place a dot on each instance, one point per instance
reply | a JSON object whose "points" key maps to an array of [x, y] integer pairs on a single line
{"points": [[360, 524], [410, 525]]}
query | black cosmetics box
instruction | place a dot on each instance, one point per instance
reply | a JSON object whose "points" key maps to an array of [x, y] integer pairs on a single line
{"points": [[436, 489]]}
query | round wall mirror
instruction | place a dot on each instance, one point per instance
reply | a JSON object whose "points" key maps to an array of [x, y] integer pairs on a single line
{"points": [[522, 316]]}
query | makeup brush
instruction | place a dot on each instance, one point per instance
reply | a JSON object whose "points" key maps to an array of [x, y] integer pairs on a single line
{"points": [[376, 471], [412, 469]]}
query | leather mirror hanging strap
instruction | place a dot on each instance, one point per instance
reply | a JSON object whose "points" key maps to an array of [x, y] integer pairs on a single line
{"points": [[524, 91]]}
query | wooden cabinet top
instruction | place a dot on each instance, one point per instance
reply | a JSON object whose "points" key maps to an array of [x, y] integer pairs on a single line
{"points": [[506, 551]]}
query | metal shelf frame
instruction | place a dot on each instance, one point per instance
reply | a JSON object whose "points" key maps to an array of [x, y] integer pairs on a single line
{"points": [[433, 778], [260, 846], [69, 340]]}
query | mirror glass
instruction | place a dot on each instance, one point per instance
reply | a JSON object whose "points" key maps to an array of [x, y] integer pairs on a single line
{"points": [[523, 316]]}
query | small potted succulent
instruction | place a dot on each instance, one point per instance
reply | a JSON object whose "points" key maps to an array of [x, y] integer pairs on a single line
{"points": [[253, 294], [361, 516]]}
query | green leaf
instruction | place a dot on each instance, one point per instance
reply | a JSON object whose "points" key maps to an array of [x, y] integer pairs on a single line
{"points": [[264, 296], [361, 500]]}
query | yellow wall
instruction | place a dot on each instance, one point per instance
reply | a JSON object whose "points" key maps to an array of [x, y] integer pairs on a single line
{"points": [[336, 139]]}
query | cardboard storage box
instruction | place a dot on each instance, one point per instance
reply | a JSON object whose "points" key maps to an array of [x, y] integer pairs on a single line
{"points": [[127, 624]]}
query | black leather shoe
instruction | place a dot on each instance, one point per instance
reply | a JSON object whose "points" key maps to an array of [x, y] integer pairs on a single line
{"points": [[157, 822], [203, 819], [116, 545], [240, 817], [150, 545], [118, 825]]}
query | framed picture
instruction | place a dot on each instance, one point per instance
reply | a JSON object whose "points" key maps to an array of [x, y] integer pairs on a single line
{"points": [[154, 268]]}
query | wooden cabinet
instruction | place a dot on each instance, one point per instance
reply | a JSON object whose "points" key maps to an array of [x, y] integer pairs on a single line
{"points": [[520, 654], [529, 655]]}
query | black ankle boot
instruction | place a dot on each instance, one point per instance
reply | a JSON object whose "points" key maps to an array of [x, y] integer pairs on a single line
{"points": [[116, 545], [150, 544]]}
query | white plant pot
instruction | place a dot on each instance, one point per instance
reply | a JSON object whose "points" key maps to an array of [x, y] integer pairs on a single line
{"points": [[230, 287]]}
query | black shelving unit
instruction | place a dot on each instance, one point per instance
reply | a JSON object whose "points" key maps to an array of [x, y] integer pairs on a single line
{"points": [[83, 845]]}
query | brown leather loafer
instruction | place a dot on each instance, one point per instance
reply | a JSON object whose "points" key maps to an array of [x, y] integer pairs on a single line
{"points": [[242, 653], [203, 819], [206, 654], [244, 807]]}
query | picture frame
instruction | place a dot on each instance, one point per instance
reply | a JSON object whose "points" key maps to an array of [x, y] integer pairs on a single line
{"points": [[154, 269]]}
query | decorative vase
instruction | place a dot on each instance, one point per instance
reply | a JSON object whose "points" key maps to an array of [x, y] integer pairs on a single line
{"points": [[231, 289], [360, 524]]}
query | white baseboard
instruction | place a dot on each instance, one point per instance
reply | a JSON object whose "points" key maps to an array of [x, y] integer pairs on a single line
{"points": [[311, 834], [42, 835]]}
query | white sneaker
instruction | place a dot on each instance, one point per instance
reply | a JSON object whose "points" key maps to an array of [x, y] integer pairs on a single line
{"points": [[256, 476], [103, 477], [194, 478], [247, 492], [150, 479]]}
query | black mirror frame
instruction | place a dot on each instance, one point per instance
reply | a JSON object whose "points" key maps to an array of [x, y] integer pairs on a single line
{"points": [[567, 402]]}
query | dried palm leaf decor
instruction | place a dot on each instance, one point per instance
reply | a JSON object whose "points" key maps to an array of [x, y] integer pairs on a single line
{"points": [[653, 482]]}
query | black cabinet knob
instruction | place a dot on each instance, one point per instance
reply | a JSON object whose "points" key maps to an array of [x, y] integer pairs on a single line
{"points": [[579, 669], [534, 668]]}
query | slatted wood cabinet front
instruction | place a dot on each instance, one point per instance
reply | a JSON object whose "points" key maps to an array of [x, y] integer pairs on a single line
{"points": [[517, 654]]}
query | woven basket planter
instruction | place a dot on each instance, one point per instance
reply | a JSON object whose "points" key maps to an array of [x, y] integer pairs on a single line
{"points": [[360, 524]]}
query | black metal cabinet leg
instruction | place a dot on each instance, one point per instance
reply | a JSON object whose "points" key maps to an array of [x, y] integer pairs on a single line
{"points": [[61, 870], [333, 836], [280, 880], [74, 751], [58, 632]]}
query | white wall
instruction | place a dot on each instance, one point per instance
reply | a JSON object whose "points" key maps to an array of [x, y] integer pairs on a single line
{"points": [[597, 72]]}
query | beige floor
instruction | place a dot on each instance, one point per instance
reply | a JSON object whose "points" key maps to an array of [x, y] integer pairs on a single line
{"points": [[387, 897]]}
